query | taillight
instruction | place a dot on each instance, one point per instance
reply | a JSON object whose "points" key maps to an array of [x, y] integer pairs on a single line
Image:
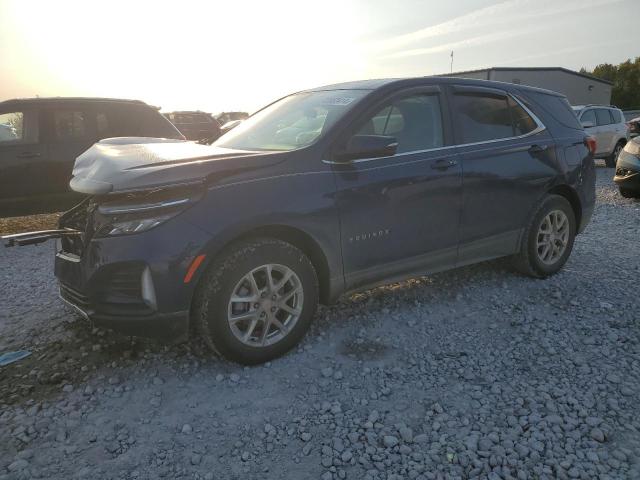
{"points": [[590, 143]]}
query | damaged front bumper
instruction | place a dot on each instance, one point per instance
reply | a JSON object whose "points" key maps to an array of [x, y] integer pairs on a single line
{"points": [[134, 284]]}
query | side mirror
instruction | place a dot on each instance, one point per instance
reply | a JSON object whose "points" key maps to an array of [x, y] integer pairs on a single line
{"points": [[588, 124], [368, 146]]}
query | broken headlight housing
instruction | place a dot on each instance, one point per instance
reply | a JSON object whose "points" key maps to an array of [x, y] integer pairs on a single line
{"points": [[137, 212]]}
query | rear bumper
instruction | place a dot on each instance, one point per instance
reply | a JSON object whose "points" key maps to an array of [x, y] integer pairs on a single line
{"points": [[628, 171], [627, 179]]}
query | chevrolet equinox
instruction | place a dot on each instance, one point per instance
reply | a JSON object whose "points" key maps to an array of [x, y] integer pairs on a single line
{"points": [[322, 192]]}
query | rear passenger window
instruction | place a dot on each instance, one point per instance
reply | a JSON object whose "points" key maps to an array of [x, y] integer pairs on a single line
{"points": [[483, 117], [69, 125], [415, 122], [603, 116], [522, 121]]}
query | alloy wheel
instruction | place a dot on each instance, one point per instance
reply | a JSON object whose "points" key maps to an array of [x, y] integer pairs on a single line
{"points": [[553, 237], [265, 305]]}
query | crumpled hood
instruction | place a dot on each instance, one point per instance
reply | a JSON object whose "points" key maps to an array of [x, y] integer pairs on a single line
{"points": [[130, 163]]}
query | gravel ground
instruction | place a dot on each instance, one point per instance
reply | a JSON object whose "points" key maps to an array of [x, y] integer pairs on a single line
{"points": [[473, 373]]}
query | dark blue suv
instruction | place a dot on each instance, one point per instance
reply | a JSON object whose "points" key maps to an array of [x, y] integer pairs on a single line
{"points": [[322, 192]]}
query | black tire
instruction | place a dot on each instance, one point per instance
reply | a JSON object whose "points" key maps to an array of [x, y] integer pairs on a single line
{"points": [[626, 193], [611, 160], [528, 261], [211, 301]]}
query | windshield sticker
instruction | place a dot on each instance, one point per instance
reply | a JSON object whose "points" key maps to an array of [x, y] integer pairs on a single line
{"points": [[338, 101]]}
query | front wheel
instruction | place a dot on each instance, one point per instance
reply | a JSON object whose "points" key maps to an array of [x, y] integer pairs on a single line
{"points": [[548, 239], [257, 301]]}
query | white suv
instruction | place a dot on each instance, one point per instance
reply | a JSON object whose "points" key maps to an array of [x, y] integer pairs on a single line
{"points": [[606, 124]]}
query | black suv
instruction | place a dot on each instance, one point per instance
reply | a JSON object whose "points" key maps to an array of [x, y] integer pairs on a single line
{"points": [[322, 192], [40, 139], [195, 125]]}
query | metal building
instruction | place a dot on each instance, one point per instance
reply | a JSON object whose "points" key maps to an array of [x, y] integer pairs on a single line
{"points": [[580, 88]]}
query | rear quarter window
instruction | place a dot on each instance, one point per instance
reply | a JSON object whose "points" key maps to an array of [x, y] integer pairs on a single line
{"points": [[139, 121], [557, 107], [153, 124], [617, 116]]}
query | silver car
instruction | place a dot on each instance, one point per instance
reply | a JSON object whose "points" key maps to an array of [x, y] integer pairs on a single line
{"points": [[606, 124]]}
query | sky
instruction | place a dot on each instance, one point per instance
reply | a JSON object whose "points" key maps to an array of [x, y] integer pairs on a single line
{"points": [[240, 54]]}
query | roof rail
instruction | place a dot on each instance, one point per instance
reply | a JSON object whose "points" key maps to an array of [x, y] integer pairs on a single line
{"points": [[597, 105]]}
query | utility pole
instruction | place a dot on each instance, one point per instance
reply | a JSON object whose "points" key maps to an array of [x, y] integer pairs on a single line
{"points": [[451, 61]]}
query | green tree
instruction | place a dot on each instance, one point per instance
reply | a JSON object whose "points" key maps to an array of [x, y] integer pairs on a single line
{"points": [[626, 82]]}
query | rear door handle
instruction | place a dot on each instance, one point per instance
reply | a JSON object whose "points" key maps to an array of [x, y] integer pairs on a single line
{"points": [[28, 154], [443, 164], [537, 148]]}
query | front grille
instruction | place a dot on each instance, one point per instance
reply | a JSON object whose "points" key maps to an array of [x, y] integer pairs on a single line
{"points": [[78, 218]]}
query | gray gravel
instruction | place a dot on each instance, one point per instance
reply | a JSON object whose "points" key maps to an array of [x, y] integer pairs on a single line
{"points": [[474, 373]]}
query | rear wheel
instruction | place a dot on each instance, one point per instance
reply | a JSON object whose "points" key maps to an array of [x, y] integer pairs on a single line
{"points": [[257, 301], [611, 160], [548, 239]]}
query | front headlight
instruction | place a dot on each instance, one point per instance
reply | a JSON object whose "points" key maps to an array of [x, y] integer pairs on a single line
{"points": [[138, 212]]}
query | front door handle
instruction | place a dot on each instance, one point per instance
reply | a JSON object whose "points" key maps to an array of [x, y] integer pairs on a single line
{"points": [[443, 164], [537, 148], [28, 154]]}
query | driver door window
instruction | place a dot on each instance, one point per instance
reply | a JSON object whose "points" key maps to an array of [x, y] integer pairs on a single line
{"points": [[414, 121], [589, 116]]}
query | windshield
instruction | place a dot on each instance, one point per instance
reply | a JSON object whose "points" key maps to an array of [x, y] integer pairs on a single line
{"points": [[293, 122]]}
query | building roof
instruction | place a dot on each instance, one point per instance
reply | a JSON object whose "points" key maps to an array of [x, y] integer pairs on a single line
{"points": [[534, 69]]}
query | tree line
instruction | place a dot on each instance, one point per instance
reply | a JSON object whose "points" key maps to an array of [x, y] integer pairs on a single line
{"points": [[625, 76]]}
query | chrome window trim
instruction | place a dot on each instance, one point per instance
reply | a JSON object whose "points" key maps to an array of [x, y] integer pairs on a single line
{"points": [[360, 160], [540, 127]]}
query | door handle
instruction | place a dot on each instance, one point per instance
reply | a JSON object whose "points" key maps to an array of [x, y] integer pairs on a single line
{"points": [[28, 154], [443, 164], [537, 148]]}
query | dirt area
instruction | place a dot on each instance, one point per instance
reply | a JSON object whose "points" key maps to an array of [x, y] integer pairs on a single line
{"points": [[29, 223], [473, 373]]}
